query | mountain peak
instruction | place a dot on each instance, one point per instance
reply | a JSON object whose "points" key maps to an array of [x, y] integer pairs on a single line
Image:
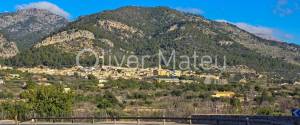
{"points": [[27, 26], [37, 12]]}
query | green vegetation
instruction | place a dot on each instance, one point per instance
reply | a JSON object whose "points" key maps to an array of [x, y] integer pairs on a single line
{"points": [[48, 100], [123, 97], [107, 101], [39, 101], [47, 56]]}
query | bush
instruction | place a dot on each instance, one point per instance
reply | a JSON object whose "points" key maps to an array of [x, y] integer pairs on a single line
{"points": [[6, 95], [108, 100], [176, 93], [48, 100]]}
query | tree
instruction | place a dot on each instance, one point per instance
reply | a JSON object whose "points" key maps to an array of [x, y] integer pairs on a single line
{"points": [[265, 97], [91, 77], [49, 100], [17, 108], [108, 100]]}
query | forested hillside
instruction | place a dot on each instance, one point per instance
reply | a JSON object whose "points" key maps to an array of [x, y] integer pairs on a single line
{"points": [[144, 31]]}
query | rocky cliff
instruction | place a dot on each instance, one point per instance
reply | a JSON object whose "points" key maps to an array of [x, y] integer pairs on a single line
{"points": [[7, 49], [66, 36]]}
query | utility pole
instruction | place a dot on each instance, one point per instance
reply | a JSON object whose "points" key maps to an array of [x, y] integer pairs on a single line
{"points": [[138, 120], [16, 112], [164, 119]]}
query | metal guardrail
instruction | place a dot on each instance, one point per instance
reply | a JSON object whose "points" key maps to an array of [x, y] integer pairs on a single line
{"points": [[195, 119], [247, 120], [187, 120]]}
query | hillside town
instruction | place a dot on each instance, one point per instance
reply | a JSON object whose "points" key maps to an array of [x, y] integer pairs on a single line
{"points": [[159, 74], [152, 74]]}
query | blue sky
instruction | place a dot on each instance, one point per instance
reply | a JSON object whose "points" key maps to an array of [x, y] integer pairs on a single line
{"points": [[273, 19]]}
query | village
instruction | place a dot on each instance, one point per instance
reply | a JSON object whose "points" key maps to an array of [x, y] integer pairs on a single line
{"points": [[220, 86], [149, 74], [157, 74], [111, 72]]}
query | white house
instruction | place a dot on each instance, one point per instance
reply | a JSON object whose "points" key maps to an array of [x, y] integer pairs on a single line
{"points": [[67, 90], [2, 81], [102, 81]]}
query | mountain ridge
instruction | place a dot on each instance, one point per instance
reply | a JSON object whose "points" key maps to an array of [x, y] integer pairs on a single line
{"points": [[142, 31], [27, 26]]}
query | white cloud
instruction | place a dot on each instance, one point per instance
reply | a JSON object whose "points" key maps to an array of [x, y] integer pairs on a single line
{"points": [[46, 6], [190, 10], [261, 31], [3, 11], [289, 36], [264, 32], [286, 7]]}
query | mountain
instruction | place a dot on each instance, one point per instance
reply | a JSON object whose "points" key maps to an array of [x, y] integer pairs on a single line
{"points": [[28, 26], [143, 31]]}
